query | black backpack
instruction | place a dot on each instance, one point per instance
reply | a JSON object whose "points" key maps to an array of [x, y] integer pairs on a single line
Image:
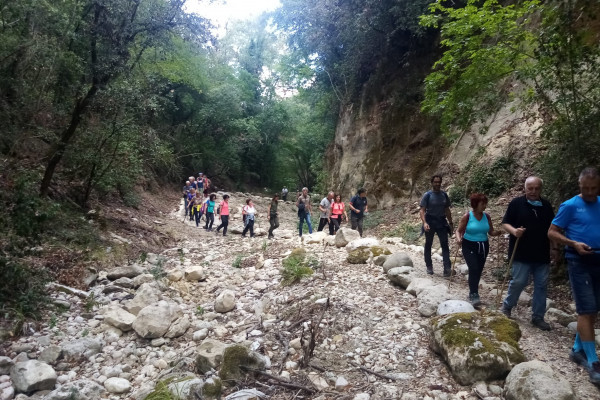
{"points": [[301, 208]]}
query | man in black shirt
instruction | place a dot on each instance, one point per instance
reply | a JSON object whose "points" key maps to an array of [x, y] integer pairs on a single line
{"points": [[528, 218], [359, 207]]}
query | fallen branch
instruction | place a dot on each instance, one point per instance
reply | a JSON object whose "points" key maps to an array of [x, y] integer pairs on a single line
{"points": [[286, 347], [374, 373], [279, 381]]}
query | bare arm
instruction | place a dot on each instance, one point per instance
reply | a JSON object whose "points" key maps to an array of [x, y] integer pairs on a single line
{"points": [[462, 227], [492, 231], [422, 215], [556, 235]]}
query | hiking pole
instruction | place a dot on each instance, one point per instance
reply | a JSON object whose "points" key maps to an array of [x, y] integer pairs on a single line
{"points": [[512, 257], [452, 269]]}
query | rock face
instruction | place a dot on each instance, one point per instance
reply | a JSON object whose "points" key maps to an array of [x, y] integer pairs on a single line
{"points": [[345, 236], [397, 260], [536, 380], [400, 276], [154, 320], [477, 347], [119, 318], [77, 390], [225, 301], [32, 375]]}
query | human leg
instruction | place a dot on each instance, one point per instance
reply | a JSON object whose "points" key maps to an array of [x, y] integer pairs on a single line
{"points": [[251, 227], [322, 223], [360, 224], [540, 290], [225, 223], [300, 224], [353, 222], [442, 234], [309, 223], [334, 226], [427, 252], [475, 254], [211, 217], [520, 277]]}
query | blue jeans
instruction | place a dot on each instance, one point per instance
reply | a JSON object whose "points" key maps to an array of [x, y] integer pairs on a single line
{"points": [[306, 217], [521, 271]]}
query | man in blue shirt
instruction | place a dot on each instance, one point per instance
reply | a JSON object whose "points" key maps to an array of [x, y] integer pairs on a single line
{"points": [[577, 227], [437, 219], [359, 207]]}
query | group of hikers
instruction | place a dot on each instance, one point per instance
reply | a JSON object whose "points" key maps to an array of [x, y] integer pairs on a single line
{"points": [[536, 235]]}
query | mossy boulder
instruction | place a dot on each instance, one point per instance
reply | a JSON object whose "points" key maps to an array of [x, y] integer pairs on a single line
{"points": [[237, 361], [477, 346], [358, 256], [379, 250], [212, 388]]}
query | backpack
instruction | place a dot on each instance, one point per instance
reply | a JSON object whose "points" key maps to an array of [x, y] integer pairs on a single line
{"points": [[428, 194], [301, 208]]}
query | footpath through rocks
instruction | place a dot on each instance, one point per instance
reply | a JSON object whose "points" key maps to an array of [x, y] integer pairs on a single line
{"points": [[211, 319]]}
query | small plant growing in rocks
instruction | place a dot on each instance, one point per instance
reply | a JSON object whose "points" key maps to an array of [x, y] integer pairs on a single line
{"points": [[295, 267], [237, 262]]}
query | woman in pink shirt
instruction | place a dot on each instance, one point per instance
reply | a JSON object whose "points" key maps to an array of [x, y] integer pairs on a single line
{"points": [[337, 212], [223, 211]]}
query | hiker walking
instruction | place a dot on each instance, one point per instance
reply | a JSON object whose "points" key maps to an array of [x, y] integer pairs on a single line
{"points": [[201, 181], [185, 191], [196, 205], [191, 195], [224, 214], [359, 207], [284, 193], [528, 219], [473, 230], [577, 227], [273, 215], [325, 208], [437, 220], [338, 210], [210, 212], [248, 213], [304, 210]]}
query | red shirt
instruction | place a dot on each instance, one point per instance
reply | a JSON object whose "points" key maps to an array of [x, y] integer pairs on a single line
{"points": [[337, 209]]}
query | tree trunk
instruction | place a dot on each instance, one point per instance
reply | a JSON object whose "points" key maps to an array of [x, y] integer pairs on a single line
{"points": [[59, 149]]}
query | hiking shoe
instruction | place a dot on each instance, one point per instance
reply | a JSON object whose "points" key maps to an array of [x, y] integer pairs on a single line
{"points": [[505, 310], [429, 270], [578, 357], [474, 299], [594, 371], [543, 325]]}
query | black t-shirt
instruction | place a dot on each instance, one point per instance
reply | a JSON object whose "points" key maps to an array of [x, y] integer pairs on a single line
{"points": [[360, 203], [534, 245]]}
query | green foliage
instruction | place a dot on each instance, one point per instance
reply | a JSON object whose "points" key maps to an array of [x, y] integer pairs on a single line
{"points": [[158, 270], [407, 231], [494, 179], [373, 219], [90, 302], [199, 311], [22, 289], [237, 261], [541, 54], [295, 267]]}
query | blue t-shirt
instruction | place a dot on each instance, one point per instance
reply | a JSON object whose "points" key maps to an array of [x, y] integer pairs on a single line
{"points": [[580, 221], [477, 230], [435, 203]]}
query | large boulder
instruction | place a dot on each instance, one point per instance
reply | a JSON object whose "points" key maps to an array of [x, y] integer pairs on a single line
{"points": [[128, 271], [397, 260], [148, 293], [6, 364], [225, 301], [315, 237], [119, 318], [153, 321], [81, 348], [477, 346], [455, 306], [194, 273], [179, 327], [345, 236], [536, 380], [400, 276], [83, 389], [430, 298], [359, 256], [31, 376], [362, 243], [210, 354]]}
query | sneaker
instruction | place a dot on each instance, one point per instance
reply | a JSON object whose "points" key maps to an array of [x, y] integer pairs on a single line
{"points": [[505, 310], [578, 357], [540, 323], [474, 299], [429, 270], [594, 371]]}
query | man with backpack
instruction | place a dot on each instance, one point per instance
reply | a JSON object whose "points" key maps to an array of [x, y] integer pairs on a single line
{"points": [[284, 193], [437, 219], [359, 207], [304, 210]]}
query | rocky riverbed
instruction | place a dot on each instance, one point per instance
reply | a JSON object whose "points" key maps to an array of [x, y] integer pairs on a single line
{"points": [[210, 318]]}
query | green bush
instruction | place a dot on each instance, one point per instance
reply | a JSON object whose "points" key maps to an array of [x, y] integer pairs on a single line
{"points": [[22, 289], [409, 232], [294, 269], [373, 219], [494, 179]]}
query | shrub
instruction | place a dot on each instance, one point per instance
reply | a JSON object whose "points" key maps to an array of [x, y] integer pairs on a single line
{"points": [[294, 269], [409, 232]]}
